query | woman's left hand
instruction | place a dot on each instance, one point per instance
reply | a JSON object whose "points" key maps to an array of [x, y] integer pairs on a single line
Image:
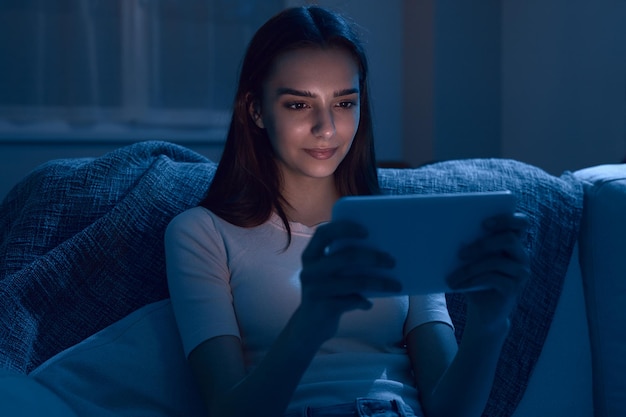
{"points": [[498, 265]]}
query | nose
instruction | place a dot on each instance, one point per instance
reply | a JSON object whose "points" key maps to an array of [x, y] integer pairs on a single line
{"points": [[324, 126]]}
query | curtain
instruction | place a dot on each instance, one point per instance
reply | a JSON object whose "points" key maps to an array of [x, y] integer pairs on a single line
{"points": [[134, 62]]}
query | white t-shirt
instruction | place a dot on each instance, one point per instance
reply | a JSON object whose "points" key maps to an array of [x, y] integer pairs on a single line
{"points": [[228, 280]]}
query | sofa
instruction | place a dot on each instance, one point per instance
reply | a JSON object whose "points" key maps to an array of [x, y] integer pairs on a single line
{"points": [[86, 327]]}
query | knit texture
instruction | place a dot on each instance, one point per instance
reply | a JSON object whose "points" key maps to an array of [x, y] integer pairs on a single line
{"points": [[81, 244]]}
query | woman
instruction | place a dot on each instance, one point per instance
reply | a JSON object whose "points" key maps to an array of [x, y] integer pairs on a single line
{"points": [[272, 324]]}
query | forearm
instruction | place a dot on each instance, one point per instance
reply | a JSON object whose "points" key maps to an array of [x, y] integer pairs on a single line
{"points": [[464, 388], [268, 388]]}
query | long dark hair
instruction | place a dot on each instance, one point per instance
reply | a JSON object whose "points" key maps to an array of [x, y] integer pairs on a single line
{"points": [[246, 187]]}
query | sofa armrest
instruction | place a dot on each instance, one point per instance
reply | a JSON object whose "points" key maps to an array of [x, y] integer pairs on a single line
{"points": [[561, 383], [603, 262]]}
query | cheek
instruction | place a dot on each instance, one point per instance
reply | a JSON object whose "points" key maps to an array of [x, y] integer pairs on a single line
{"points": [[284, 133], [285, 129], [350, 124]]}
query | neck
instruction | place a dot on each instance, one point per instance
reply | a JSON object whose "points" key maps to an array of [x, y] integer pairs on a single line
{"points": [[311, 203]]}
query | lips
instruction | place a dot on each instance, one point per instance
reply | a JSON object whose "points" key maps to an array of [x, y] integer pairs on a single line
{"points": [[321, 154]]}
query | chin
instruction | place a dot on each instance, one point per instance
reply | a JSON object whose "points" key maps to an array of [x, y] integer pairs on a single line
{"points": [[323, 172]]}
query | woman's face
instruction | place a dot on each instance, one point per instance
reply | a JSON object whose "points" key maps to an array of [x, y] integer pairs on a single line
{"points": [[310, 109]]}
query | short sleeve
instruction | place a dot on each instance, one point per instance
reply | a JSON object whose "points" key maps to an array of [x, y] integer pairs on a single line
{"points": [[199, 279], [426, 308]]}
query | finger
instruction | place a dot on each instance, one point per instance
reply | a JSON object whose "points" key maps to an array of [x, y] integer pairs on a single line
{"points": [[352, 302], [494, 283], [516, 222], [356, 282], [360, 256], [505, 244], [345, 261], [342, 304], [496, 273], [329, 232]]}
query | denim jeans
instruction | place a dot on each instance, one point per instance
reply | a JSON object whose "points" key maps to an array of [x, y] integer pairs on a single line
{"points": [[362, 407]]}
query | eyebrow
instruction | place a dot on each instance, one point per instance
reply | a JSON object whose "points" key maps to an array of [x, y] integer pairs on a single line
{"points": [[301, 93]]}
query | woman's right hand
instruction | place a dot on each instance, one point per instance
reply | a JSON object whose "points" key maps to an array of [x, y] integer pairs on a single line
{"points": [[334, 282]]}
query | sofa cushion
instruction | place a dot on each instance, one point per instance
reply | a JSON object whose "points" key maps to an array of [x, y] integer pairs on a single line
{"points": [[603, 263]]}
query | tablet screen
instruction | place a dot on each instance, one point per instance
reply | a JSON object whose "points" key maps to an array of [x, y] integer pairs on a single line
{"points": [[423, 232]]}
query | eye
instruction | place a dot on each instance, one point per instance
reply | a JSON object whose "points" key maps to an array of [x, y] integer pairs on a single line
{"points": [[346, 104], [296, 105]]}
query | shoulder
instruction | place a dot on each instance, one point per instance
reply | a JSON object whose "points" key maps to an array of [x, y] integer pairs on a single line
{"points": [[193, 227], [200, 227], [194, 220], [191, 216]]}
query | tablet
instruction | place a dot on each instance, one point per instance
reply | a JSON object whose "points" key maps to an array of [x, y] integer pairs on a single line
{"points": [[422, 232]]}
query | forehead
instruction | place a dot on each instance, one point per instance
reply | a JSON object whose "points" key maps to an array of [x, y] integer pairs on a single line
{"points": [[308, 68]]}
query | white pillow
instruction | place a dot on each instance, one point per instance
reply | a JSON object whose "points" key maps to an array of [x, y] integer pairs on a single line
{"points": [[135, 367], [21, 396]]}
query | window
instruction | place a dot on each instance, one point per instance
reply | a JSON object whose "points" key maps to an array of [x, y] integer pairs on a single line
{"points": [[128, 68]]}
